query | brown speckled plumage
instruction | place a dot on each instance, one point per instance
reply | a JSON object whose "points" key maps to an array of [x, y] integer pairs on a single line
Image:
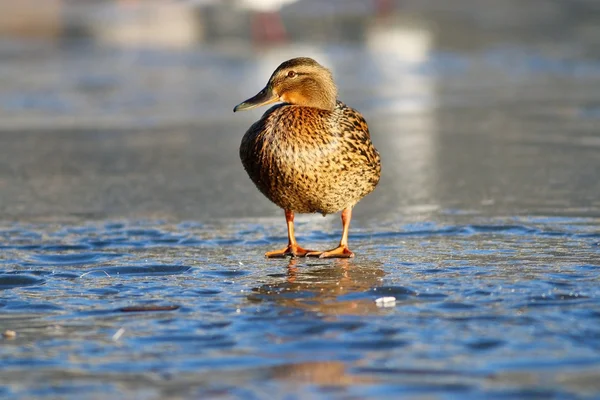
{"points": [[311, 154], [310, 160]]}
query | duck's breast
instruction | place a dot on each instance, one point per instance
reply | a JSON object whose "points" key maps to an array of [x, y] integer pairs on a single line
{"points": [[310, 160]]}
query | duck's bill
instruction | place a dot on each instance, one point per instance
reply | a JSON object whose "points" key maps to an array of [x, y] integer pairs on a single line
{"points": [[263, 97]]}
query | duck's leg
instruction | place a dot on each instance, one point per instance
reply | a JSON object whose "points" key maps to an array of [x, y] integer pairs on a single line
{"points": [[292, 248], [342, 251]]}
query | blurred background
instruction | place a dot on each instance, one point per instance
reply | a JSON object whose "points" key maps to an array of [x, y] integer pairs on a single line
{"points": [[123, 108]]}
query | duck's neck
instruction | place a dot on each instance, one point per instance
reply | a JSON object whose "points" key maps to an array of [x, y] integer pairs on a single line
{"points": [[318, 94]]}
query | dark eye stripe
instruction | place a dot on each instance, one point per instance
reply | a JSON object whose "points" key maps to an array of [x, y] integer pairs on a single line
{"points": [[296, 73]]}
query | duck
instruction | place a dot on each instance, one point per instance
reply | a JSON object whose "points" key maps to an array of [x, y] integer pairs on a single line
{"points": [[310, 153]]}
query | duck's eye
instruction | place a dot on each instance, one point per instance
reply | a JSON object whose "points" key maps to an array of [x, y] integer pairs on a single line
{"points": [[291, 74]]}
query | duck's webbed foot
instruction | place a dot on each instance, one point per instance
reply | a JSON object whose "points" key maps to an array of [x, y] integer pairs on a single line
{"points": [[341, 251], [290, 250]]}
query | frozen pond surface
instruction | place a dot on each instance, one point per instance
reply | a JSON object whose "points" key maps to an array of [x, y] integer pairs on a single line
{"points": [[132, 242], [483, 307]]}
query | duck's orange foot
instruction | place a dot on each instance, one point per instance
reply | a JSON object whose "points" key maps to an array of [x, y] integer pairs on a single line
{"points": [[338, 252], [292, 251]]}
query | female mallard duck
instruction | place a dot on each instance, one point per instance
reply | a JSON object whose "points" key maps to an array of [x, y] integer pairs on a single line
{"points": [[311, 154]]}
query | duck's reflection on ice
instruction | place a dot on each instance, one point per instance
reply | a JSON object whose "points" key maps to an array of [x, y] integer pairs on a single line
{"points": [[338, 288], [319, 373]]}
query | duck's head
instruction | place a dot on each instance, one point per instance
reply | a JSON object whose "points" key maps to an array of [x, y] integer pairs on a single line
{"points": [[301, 81]]}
